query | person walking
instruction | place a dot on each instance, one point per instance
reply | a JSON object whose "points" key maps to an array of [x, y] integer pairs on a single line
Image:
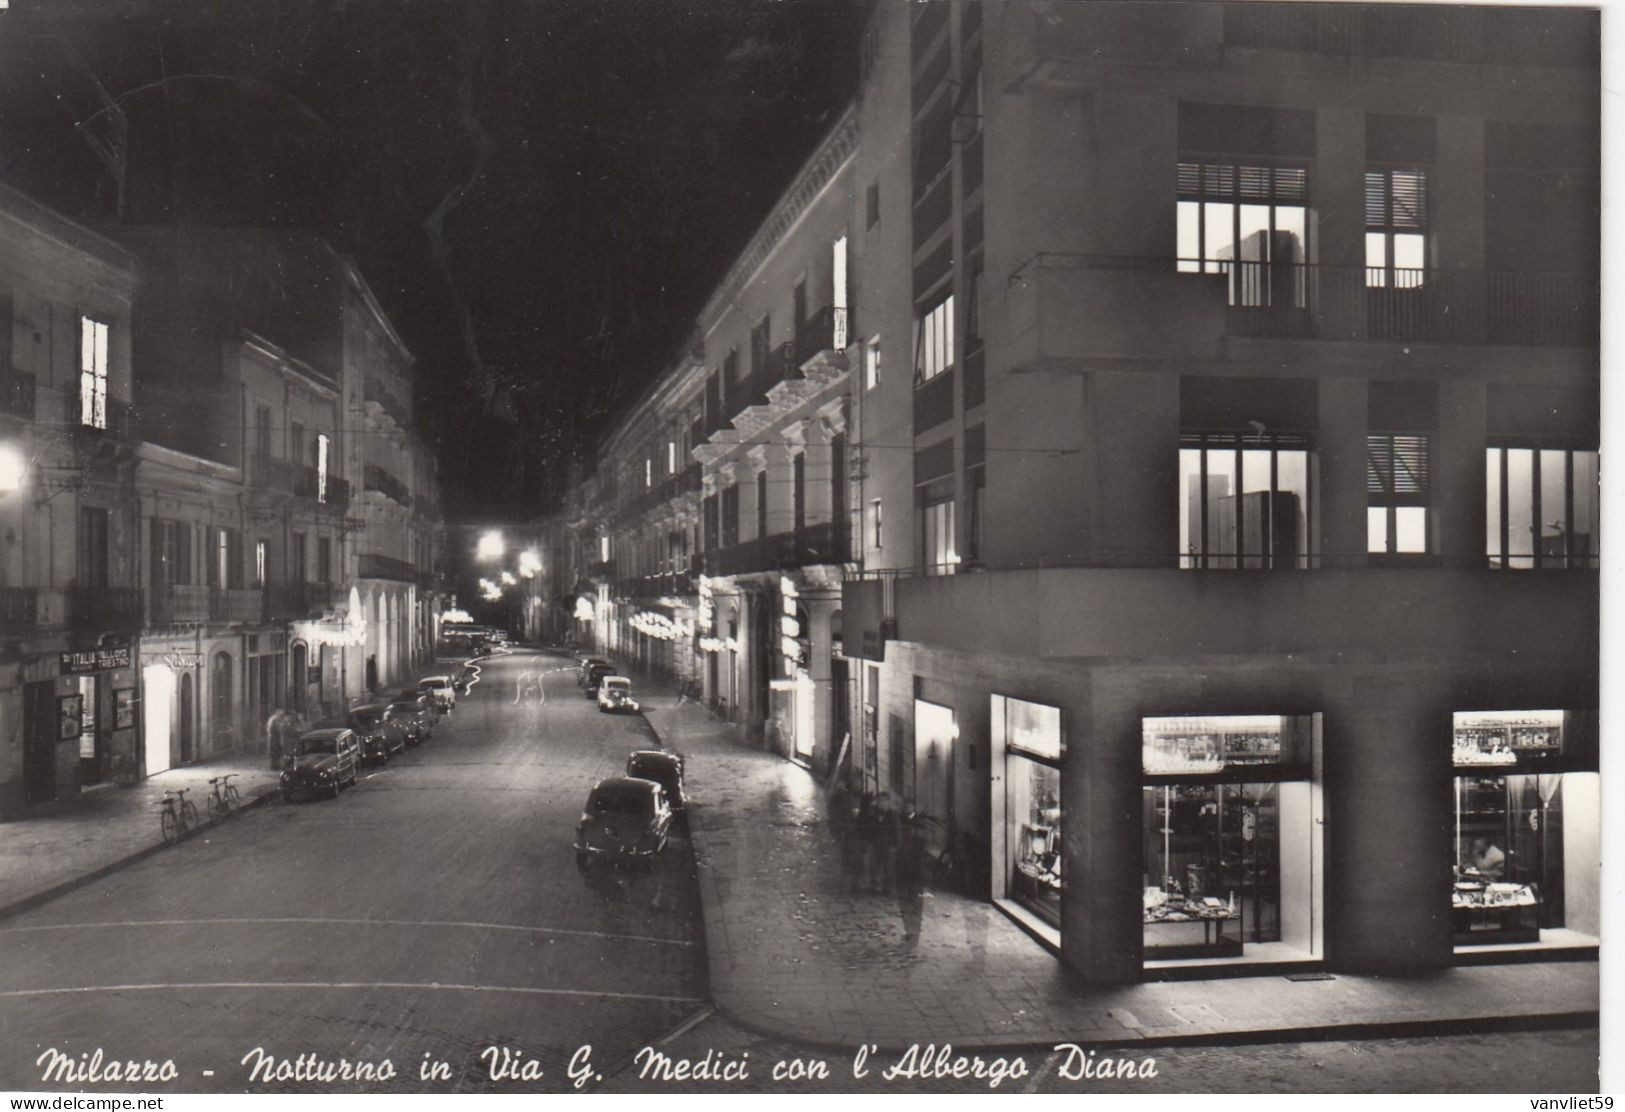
{"points": [[911, 862], [276, 736]]}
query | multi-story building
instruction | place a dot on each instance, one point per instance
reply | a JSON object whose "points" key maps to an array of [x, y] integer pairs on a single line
{"points": [[70, 595], [1265, 454], [1223, 426]]}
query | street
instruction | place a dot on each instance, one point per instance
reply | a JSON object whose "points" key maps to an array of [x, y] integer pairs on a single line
{"points": [[434, 914], [434, 909]]}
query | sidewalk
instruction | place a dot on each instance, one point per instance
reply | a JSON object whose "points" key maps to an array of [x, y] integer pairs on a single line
{"points": [[83, 839], [792, 955]]}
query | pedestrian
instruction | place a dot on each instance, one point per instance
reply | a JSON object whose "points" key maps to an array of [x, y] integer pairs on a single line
{"points": [[885, 841], [911, 861], [276, 736]]}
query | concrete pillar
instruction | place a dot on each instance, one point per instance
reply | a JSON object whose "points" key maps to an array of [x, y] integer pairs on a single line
{"points": [[1337, 230], [1459, 507], [1341, 453], [1389, 817], [1134, 138], [1458, 222], [1134, 490]]}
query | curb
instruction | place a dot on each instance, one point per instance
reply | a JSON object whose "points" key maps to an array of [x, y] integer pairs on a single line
{"points": [[62, 888]]}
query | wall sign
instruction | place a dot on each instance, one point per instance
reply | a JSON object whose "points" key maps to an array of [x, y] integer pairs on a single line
{"points": [[104, 659]]}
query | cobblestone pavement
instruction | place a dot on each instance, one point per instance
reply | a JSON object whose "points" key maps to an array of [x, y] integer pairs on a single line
{"points": [[1552, 1062]]}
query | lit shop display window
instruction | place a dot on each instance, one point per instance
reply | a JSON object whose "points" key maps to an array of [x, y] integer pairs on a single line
{"points": [[1030, 735], [1526, 832], [1231, 846]]}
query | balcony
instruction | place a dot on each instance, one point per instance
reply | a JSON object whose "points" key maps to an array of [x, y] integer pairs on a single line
{"points": [[117, 417], [19, 608], [655, 586], [825, 543], [293, 601], [271, 473], [106, 609], [237, 605], [378, 394], [17, 394], [829, 329], [383, 482], [376, 566], [179, 604], [308, 484]]}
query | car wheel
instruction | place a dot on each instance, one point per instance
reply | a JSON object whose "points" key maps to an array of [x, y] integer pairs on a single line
{"points": [[583, 862], [287, 797]]}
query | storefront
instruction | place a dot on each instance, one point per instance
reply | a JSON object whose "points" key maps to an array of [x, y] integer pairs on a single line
{"points": [[1028, 738], [1526, 833], [96, 713], [1231, 842]]}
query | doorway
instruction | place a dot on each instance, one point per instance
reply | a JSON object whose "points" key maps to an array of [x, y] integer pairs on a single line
{"points": [[188, 716], [39, 744], [299, 674], [158, 704], [221, 727]]}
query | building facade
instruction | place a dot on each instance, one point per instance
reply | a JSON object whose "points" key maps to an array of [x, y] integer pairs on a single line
{"points": [[1206, 460]]}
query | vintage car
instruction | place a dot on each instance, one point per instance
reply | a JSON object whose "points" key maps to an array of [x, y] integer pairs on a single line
{"points": [[379, 739], [411, 712], [595, 676], [440, 689], [322, 762], [615, 694], [427, 701], [626, 821], [587, 663], [665, 769]]}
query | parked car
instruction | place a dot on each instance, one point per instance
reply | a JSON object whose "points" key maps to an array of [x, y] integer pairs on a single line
{"points": [[323, 761], [665, 769], [427, 701], [583, 664], [626, 821], [440, 689], [615, 694], [411, 712], [379, 739], [595, 676]]}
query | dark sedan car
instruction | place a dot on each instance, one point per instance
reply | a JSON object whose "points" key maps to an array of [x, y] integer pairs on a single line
{"points": [[587, 663], [626, 822], [665, 769], [322, 762], [413, 716], [379, 738], [428, 702]]}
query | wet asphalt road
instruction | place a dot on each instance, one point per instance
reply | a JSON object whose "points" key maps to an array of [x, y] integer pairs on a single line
{"points": [[435, 910]]}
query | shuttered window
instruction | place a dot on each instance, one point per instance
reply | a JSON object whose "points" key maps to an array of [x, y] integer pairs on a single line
{"points": [[1398, 484], [1247, 220], [1396, 220]]}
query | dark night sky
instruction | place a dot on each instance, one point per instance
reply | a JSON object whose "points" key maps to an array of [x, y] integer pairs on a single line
{"points": [[541, 192]]}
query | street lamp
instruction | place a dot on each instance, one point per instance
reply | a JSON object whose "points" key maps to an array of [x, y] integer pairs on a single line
{"points": [[491, 546], [11, 469], [530, 563]]}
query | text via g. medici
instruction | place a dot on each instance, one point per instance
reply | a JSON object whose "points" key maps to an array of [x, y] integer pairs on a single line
{"points": [[501, 1065]]}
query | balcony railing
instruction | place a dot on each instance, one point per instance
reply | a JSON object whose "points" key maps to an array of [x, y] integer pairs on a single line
{"points": [[377, 392], [334, 494], [237, 604], [105, 609], [826, 543], [295, 601], [17, 394], [271, 473], [377, 566], [655, 586], [19, 607], [1310, 301], [118, 417], [386, 484], [179, 604], [829, 329]]}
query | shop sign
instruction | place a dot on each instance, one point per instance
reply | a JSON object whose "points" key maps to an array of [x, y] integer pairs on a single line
{"points": [[104, 659]]}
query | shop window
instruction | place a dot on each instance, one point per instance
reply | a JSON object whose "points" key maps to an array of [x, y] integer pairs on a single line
{"points": [[1541, 507], [1248, 222], [92, 372], [1231, 842], [1244, 501], [1029, 735], [1397, 493], [1526, 839]]}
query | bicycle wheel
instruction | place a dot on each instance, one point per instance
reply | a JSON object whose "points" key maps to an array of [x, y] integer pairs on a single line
{"points": [[169, 824], [234, 798], [217, 809], [189, 819]]}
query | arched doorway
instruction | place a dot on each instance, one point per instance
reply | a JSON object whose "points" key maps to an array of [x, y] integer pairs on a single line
{"points": [[372, 674], [222, 729], [188, 716], [299, 671]]}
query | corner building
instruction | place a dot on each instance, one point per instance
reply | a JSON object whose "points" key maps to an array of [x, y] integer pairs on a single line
{"points": [[1226, 461]]}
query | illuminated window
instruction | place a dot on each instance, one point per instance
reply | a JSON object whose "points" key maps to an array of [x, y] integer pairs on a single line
{"points": [[671, 457], [875, 518], [603, 549], [321, 467], [648, 472], [1244, 501], [1248, 222], [937, 534], [1395, 228], [11, 469], [934, 341], [259, 563], [871, 363], [1396, 483], [1541, 507], [92, 373]]}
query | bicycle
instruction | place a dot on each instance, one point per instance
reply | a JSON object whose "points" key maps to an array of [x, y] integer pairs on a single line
{"points": [[224, 798], [949, 866], [178, 816]]}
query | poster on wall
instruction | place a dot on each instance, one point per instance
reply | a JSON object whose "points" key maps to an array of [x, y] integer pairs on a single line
{"points": [[123, 708], [70, 715]]}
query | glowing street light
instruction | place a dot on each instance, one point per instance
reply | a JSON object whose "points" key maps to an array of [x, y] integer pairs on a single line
{"points": [[508, 580], [491, 546], [11, 469], [530, 563]]}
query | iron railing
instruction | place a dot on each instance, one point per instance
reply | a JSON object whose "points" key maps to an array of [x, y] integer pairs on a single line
{"points": [[237, 604], [378, 479], [825, 543], [105, 609], [19, 607], [179, 604]]}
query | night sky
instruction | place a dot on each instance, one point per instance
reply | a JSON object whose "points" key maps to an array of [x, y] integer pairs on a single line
{"points": [[542, 193]]}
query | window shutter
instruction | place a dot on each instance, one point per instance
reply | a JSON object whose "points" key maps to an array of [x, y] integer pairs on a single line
{"points": [[1410, 198], [1376, 199], [1397, 467]]}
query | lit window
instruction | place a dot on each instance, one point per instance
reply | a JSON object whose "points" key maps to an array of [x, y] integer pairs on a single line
{"points": [[222, 555], [11, 469], [321, 467], [934, 341], [838, 267], [259, 563], [671, 457], [648, 472], [603, 549], [871, 363], [1395, 228], [1244, 501], [875, 516], [1396, 482], [92, 373], [1247, 222], [1541, 508], [941, 554]]}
